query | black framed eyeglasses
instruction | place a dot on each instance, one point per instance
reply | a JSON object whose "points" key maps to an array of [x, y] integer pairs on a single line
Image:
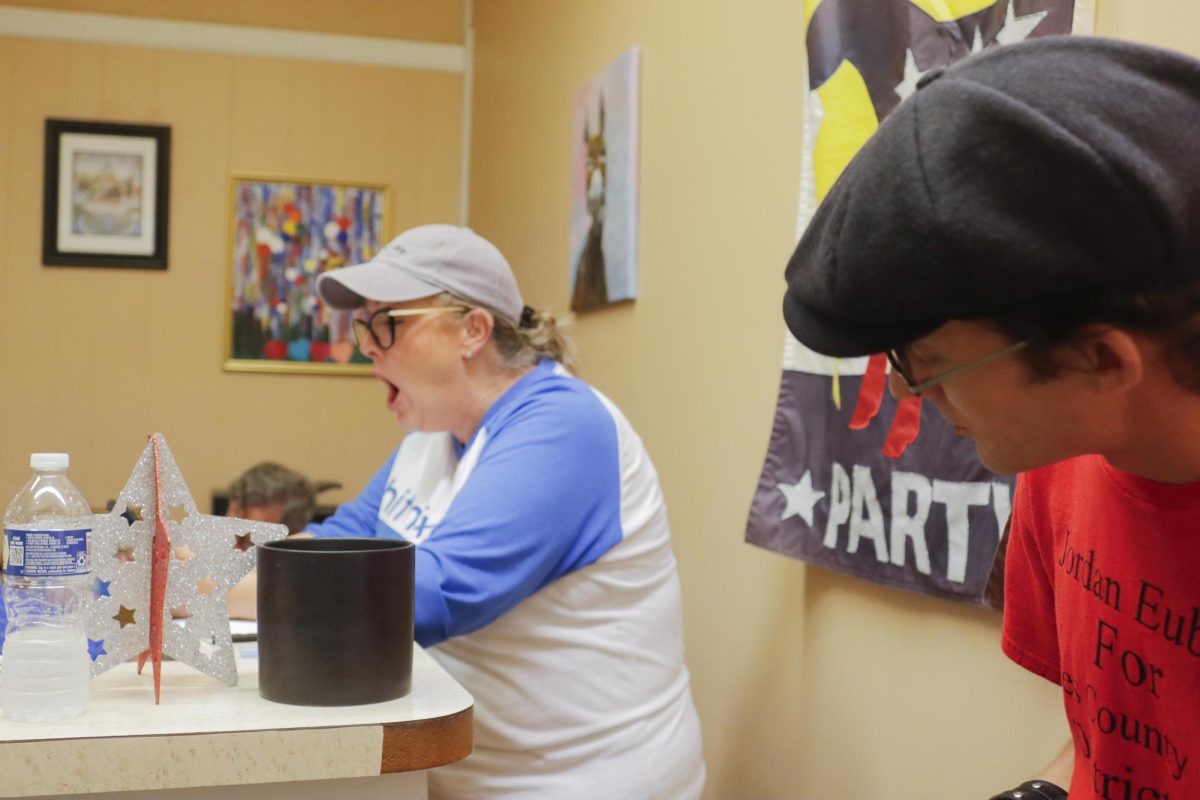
{"points": [[899, 361], [381, 325]]}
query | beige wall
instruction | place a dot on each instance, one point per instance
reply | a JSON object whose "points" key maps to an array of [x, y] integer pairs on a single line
{"points": [[95, 359], [810, 685], [418, 20]]}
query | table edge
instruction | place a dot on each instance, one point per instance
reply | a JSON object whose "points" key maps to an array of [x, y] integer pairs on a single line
{"points": [[427, 743]]}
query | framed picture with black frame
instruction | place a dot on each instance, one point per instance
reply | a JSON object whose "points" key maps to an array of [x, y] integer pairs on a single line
{"points": [[106, 194]]}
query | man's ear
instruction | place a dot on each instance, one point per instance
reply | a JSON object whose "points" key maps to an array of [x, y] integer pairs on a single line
{"points": [[1114, 358]]}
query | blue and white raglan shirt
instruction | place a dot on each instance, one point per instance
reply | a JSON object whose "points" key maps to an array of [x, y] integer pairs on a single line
{"points": [[546, 585]]}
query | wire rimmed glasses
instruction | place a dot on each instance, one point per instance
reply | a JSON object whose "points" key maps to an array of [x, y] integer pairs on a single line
{"points": [[899, 361]]}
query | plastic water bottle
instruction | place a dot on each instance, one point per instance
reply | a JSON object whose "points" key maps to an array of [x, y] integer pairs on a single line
{"points": [[44, 667]]}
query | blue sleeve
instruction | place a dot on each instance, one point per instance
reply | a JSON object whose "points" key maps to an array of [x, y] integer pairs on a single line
{"points": [[543, 501], [357, 517]]}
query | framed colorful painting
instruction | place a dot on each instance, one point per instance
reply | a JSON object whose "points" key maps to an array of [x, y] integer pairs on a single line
{"points": [[283, 234], [105, 194]]}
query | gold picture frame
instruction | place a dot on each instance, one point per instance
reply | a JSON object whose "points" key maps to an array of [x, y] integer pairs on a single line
{"points": [[284, 232]]}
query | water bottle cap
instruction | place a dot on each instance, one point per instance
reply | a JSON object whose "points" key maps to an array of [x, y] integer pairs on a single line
{"points": [[50, 460]]}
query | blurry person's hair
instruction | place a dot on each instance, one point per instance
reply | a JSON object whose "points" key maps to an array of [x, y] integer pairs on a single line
{"points": [[268, 482]]}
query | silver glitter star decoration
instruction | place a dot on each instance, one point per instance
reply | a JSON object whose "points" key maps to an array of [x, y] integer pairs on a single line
{"points": [[207, 556]]}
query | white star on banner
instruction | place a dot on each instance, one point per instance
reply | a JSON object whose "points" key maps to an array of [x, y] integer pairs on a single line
{"points": [[976, 43], [208, 555], [912, 74], [1018, 29], [800, 498]]}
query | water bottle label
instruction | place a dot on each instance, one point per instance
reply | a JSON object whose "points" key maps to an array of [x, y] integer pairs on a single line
{"points": [[46, 554]]}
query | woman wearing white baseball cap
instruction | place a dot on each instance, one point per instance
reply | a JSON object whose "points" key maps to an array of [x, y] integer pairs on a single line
{"points": [[545, 579]]}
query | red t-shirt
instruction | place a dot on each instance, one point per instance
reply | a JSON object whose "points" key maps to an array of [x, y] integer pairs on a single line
{"points": [[1102, 596]]}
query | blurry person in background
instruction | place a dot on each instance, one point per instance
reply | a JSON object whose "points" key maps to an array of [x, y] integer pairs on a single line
{"points": [[269, 492]]}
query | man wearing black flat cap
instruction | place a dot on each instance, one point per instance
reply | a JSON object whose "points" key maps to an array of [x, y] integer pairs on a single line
{"points": [[1021, 237]]}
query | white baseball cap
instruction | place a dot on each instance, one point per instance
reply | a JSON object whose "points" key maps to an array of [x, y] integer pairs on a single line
{"points": [[425, 261]]}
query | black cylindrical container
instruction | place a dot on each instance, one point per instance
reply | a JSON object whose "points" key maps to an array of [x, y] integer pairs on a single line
{"points": [[335, 621]]}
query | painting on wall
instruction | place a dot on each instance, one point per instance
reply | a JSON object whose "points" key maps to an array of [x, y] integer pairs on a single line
{"points": [[105, 194], [284, 233], [604, 191]]}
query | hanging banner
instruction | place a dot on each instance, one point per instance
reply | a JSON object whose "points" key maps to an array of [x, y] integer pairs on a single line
{"points": [[930, 519]]}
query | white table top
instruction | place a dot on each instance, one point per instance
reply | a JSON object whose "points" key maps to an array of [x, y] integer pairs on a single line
{"points": [[208, 734]]}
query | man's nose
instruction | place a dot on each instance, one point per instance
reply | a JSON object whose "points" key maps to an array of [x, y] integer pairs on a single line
{"points": [[897, 386]]}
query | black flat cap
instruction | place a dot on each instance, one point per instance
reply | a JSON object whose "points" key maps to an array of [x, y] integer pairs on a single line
{"points": [[1032, 173]]}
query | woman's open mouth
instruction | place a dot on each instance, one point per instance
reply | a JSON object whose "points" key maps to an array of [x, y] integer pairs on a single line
{"points": [[392, 390]]}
